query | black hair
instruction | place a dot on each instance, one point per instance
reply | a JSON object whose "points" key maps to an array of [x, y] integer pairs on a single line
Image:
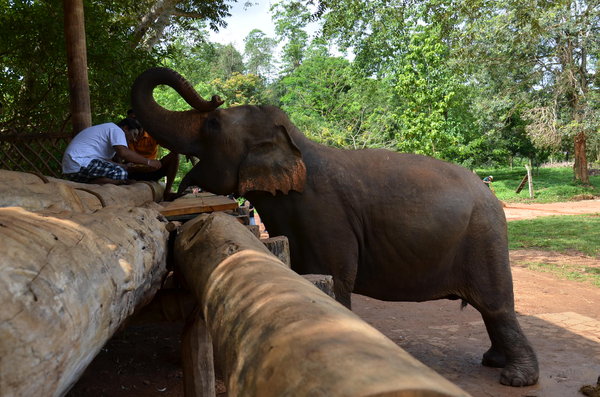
{"points": [[130, 123]]}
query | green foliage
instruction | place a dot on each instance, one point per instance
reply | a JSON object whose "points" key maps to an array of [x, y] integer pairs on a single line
{"points": [[470, 71], [33, 63], [549, 184], [476, 83], [333, 104], [432, 105], [228, 61], [429, 103], [536, 58], [242, 89], [193, 56], [557, 233]]}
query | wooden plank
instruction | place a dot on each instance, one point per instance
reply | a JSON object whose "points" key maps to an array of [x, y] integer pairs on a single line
{"points": [[523, 182], [197, 205]]}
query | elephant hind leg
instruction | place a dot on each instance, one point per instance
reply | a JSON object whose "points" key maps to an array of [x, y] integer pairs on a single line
{"points": [[510, 350]]}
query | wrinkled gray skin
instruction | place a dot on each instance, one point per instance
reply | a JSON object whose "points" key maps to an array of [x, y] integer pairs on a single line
{"points": [[396, 227]]}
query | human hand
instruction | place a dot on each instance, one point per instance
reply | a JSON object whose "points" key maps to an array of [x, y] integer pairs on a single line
{"points": [[154, 164]]}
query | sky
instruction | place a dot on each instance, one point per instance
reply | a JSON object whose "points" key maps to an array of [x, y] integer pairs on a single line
{"points": [[258, 16], [242, 21]]}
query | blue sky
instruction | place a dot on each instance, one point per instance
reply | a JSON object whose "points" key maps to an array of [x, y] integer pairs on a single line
{"points": [[242, 21]]}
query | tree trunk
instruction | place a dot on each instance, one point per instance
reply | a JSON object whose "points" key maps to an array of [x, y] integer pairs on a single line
{"points": [[275, 334], [77, 65], [580, 166], [67, 282]]}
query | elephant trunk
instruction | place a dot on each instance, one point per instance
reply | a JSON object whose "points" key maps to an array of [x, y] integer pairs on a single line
{"points": [[175, 130]]}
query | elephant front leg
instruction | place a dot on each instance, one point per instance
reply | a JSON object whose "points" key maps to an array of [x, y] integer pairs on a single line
{"points": [[510, 350], [342, 294]]}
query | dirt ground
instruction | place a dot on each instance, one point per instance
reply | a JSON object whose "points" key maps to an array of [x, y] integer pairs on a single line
{"points": [[561, 318]]}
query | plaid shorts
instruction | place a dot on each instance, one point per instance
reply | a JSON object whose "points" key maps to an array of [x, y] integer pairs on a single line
{"points": [[98, 169]]}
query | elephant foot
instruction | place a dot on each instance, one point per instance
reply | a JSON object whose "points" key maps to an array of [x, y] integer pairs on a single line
{"points": [[494, 358], [514, 374], [519, 376]]}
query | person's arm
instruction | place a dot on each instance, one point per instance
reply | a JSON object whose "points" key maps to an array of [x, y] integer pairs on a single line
{"points": [[130, 156]]}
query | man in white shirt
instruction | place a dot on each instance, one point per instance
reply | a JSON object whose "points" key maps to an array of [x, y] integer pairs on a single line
{"points": [[88, 158]]}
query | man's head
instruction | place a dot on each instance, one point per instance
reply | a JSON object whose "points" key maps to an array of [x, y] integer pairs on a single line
{"points": [[131, 127]]}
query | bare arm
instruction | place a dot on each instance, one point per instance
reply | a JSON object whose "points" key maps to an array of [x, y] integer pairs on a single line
{"points": [[130, 156]]}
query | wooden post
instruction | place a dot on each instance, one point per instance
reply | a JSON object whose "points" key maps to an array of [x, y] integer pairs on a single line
{"points": [[529, 180], [523, 182], [197, 358], [275, 334], [79, 89]]}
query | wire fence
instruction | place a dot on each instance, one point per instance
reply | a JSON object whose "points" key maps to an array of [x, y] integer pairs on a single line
{"points": [[35, 153]]}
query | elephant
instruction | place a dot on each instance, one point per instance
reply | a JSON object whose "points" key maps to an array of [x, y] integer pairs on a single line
{"points": [[391, 226]]}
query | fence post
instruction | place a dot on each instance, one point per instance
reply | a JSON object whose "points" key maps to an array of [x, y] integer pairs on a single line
{"points": [[529, 180]]}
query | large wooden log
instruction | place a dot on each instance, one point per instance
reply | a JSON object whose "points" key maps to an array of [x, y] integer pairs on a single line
{"points": [[275, 334], [38, 192], [67, 282]]}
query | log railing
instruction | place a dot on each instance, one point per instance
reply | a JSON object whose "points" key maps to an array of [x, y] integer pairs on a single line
{"points": [[275, 334], [75, 267]]}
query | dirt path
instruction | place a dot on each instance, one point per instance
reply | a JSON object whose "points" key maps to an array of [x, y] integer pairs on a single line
{"points": [[560, 317], [527, 211]]}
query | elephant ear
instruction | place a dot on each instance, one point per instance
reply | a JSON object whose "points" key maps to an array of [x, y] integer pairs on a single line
{"points": [[273, 164]]}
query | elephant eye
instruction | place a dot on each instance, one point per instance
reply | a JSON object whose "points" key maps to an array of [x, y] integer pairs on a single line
{"points": [[213, 134], [212, 123]]}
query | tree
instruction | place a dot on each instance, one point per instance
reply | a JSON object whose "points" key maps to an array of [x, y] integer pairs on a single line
{"points": [[155, 20], [534, 60], [399, 43], [550, 49], [228, 61], [33, 82], [291, 17], [258, 53], [334, 104], [242, 89]]}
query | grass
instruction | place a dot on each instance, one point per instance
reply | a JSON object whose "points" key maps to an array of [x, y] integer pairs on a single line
{"points": [[549, 185], [579, 233], [573, 272], [565, 234]]}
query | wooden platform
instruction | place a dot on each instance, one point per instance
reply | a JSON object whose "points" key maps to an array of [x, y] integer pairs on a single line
{"points": [[196, 204]]}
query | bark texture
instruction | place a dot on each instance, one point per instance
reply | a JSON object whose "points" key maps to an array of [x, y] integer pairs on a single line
{"points": [[275, 334], [70, 274], [38, 192]]}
